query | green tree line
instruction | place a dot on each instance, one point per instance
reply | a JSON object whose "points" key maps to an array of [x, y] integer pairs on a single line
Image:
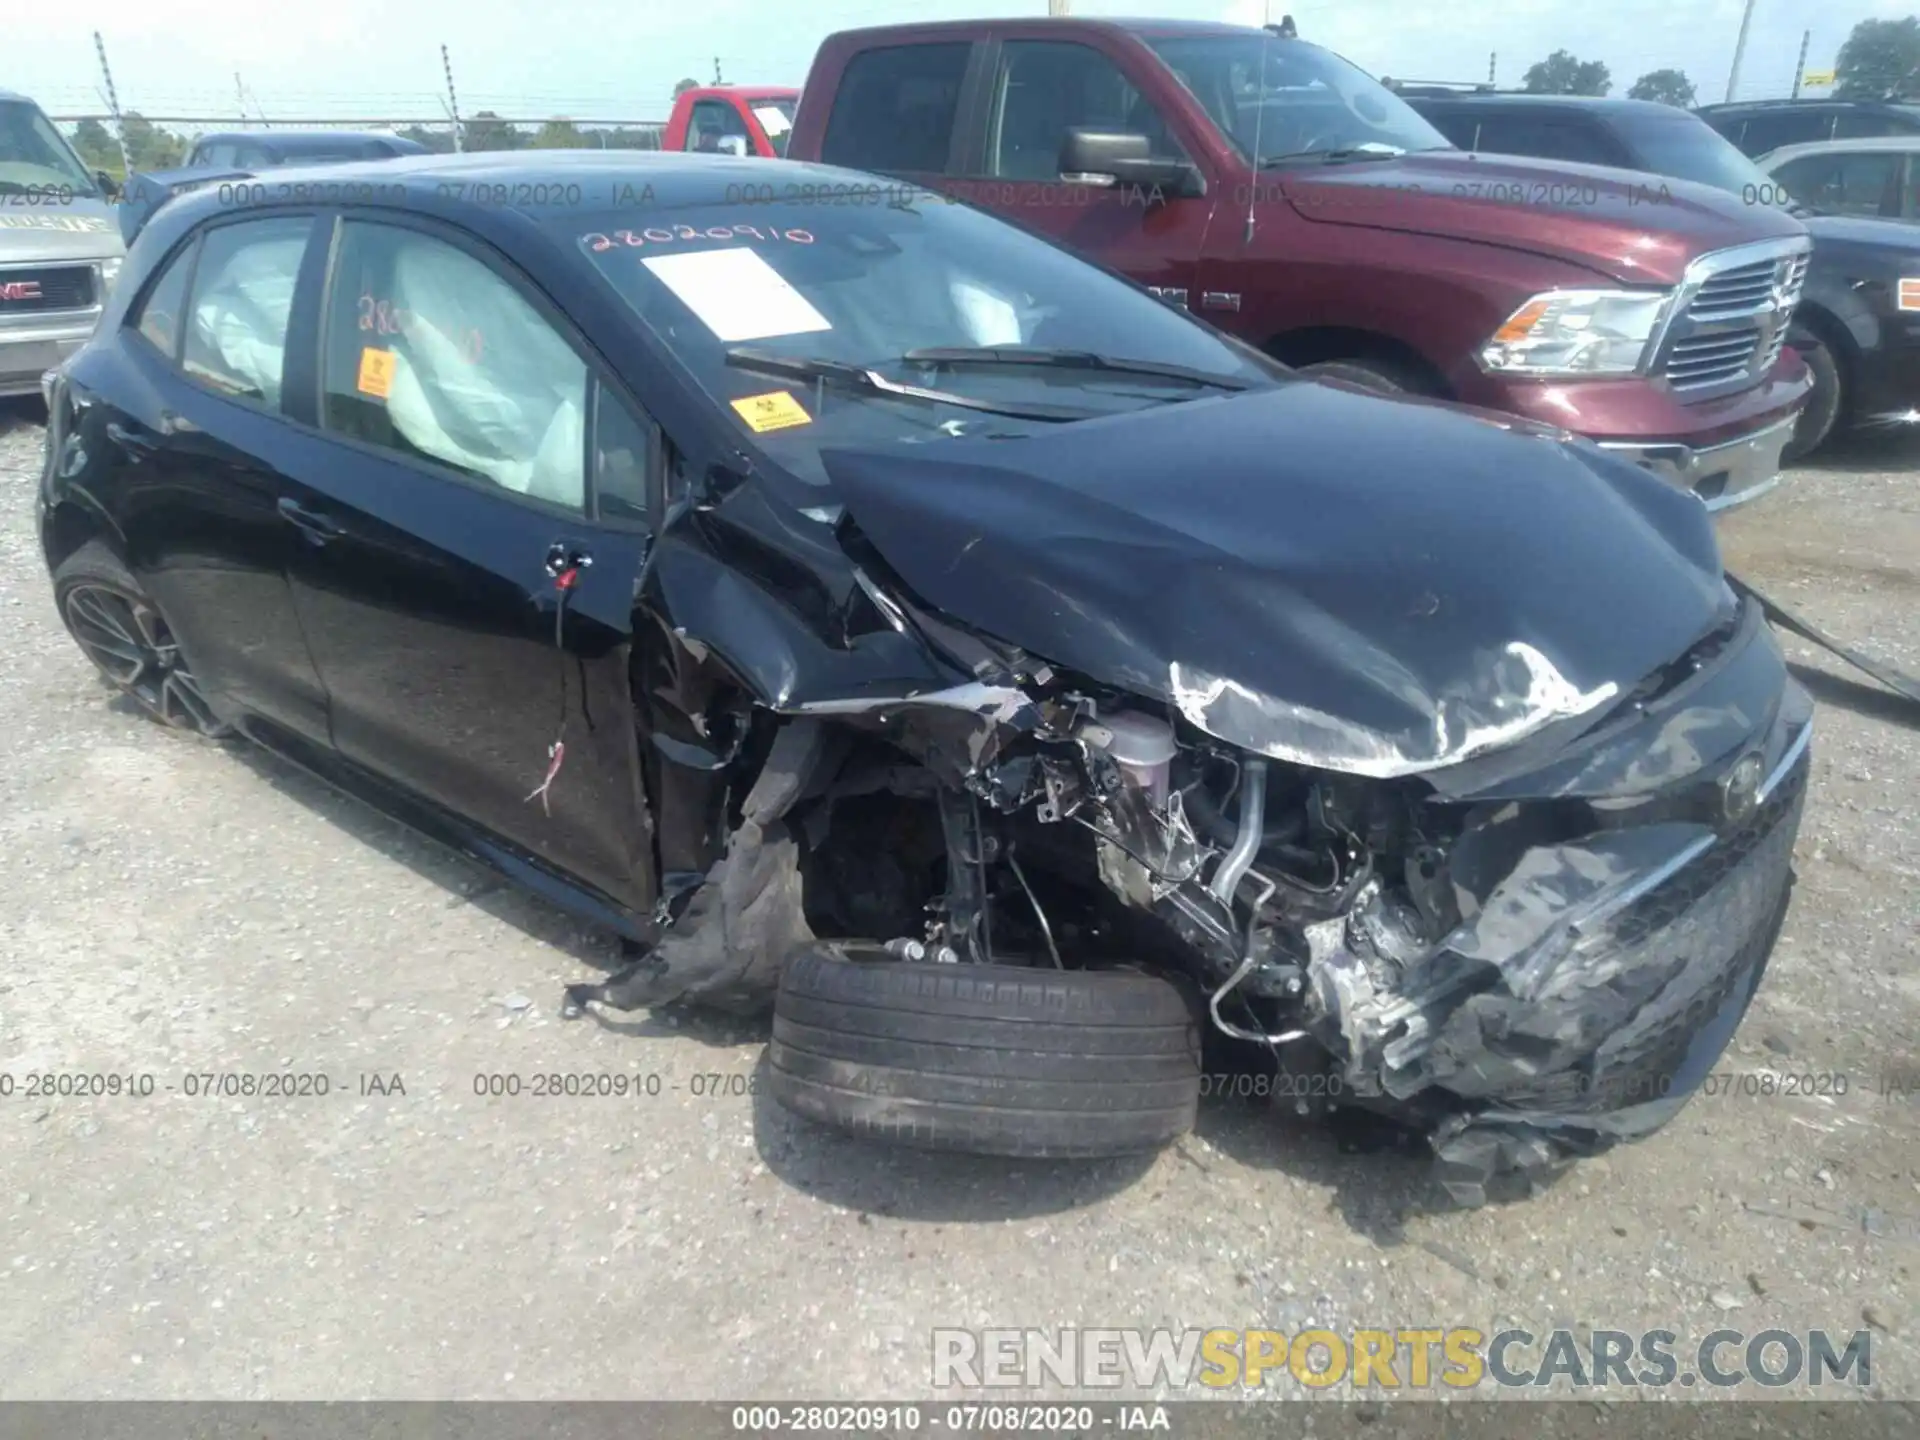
{"points": [[1880, 60]]}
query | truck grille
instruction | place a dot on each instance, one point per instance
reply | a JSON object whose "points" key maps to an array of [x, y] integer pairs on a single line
{"points": [[1735, 323], [57, 287]]}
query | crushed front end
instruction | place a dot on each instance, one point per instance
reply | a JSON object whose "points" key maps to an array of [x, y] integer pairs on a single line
{"points": [[1530, 955]]}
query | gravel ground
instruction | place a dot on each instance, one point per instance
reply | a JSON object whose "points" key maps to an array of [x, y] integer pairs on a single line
{"points": [[168, 907]]}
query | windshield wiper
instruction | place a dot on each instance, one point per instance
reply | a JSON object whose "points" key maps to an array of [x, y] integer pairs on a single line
{"points": [[864, 381], [954, 356], [1371, 150]]}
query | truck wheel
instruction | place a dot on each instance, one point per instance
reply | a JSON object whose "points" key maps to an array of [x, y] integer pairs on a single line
{"points": [[1381, 375], [984, 1059], [1824, 404]]}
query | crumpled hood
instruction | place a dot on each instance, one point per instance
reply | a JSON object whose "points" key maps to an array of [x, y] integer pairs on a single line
{"points": [[1325, 576], [1635, 228]]}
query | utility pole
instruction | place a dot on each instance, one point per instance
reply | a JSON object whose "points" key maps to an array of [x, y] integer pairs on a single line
{"points": [[1800, 65], [1739, 49], [453, 100], [113, 102], [1056, 7], [1493, 61], [716, 71]]}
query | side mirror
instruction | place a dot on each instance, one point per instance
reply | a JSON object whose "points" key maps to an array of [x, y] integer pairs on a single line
{"points": [[1124, 157], [109, 186]]}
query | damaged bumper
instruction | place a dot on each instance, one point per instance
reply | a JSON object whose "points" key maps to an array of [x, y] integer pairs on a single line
{"points": [[1723, 476], [1596, 986]]}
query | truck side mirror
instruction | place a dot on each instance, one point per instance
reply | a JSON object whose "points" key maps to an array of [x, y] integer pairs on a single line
{"points": [[1124, 157], [109, 187]]}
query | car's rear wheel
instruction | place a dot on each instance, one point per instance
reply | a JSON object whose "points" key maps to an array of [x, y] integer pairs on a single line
{"points": [[129, 641], [1827, 400], [985, 1059]]}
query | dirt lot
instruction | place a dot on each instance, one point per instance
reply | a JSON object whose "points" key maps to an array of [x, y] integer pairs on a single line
{"points": [[170, 908]]}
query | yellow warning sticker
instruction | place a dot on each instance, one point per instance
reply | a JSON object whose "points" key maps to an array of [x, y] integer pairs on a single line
{"points": [[376, 372], [776, 410]]}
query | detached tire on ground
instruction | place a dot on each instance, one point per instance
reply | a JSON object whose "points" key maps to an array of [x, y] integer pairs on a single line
{"points": [[984, 1059]]}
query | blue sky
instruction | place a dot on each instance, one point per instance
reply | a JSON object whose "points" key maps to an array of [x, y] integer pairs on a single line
{"points": [[617, 59]]}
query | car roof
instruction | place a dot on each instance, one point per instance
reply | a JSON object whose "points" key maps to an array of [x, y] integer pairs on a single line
{"points": [[1144, 25], [1520, 100], [1736, 107], [674, 177], [292, 139], [746, 92], [1861, 144], [15, 95]]}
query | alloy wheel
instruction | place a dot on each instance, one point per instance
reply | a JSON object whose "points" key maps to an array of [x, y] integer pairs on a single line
{"points": [[128, 640]]}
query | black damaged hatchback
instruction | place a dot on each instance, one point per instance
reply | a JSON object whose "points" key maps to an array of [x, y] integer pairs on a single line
{"points": [[870, 611]]}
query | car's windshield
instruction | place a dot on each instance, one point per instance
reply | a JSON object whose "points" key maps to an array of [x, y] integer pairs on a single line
{"points": [[1278, 98], [776, 118], [1689, 149], [33, 157], [728, 286]]}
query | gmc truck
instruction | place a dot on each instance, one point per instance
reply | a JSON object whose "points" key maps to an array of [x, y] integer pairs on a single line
{"points": [[60, 250], [1294, 201]]}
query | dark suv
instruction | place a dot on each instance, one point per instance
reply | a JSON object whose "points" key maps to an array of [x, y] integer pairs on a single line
{"points": [[257, 150], [1758, 126], [1858, 321]]}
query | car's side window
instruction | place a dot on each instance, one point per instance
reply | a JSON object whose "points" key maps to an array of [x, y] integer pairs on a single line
{"points": [[220, 154], [160, 312], [1865, 125], [1770, 131], [1046, 88], [435, 355], [1859, 184], [712, 125], [619, 458], [1546, 138], [895, 108], [235, 337], [1462, 127]]}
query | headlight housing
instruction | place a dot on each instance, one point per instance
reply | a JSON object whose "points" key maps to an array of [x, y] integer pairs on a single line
{"points": [[109, 273], [1577, 332]]}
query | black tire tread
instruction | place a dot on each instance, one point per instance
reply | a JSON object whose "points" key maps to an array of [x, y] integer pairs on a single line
{"points": [[994, 1060]]}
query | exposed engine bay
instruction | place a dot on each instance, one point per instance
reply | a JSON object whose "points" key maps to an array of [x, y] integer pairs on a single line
{"points": [[1480, 967]]}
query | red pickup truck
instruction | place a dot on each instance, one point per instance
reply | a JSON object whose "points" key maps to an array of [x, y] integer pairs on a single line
{"points": [[732, 119], [1287, 197]]}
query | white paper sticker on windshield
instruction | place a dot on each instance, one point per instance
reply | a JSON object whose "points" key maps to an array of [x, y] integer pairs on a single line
{"points": [[772, 119], [736, 294]]}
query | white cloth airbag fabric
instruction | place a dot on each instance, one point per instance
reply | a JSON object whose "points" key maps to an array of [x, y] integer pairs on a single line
{"points": [[482, 381]]}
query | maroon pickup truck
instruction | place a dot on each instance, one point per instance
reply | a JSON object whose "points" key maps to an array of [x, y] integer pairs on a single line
{"points": [[1289, 198]]}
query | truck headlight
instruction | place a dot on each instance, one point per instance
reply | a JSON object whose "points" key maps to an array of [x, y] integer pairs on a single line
{"points": [[1577, 332], [109, 272]]}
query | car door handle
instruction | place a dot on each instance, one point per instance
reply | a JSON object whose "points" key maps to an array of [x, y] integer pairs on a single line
{"points": [[136, 442], [311, 523], [564, 557]]}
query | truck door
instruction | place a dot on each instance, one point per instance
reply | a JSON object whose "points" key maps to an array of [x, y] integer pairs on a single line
{"points": [[1038, 90]]}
